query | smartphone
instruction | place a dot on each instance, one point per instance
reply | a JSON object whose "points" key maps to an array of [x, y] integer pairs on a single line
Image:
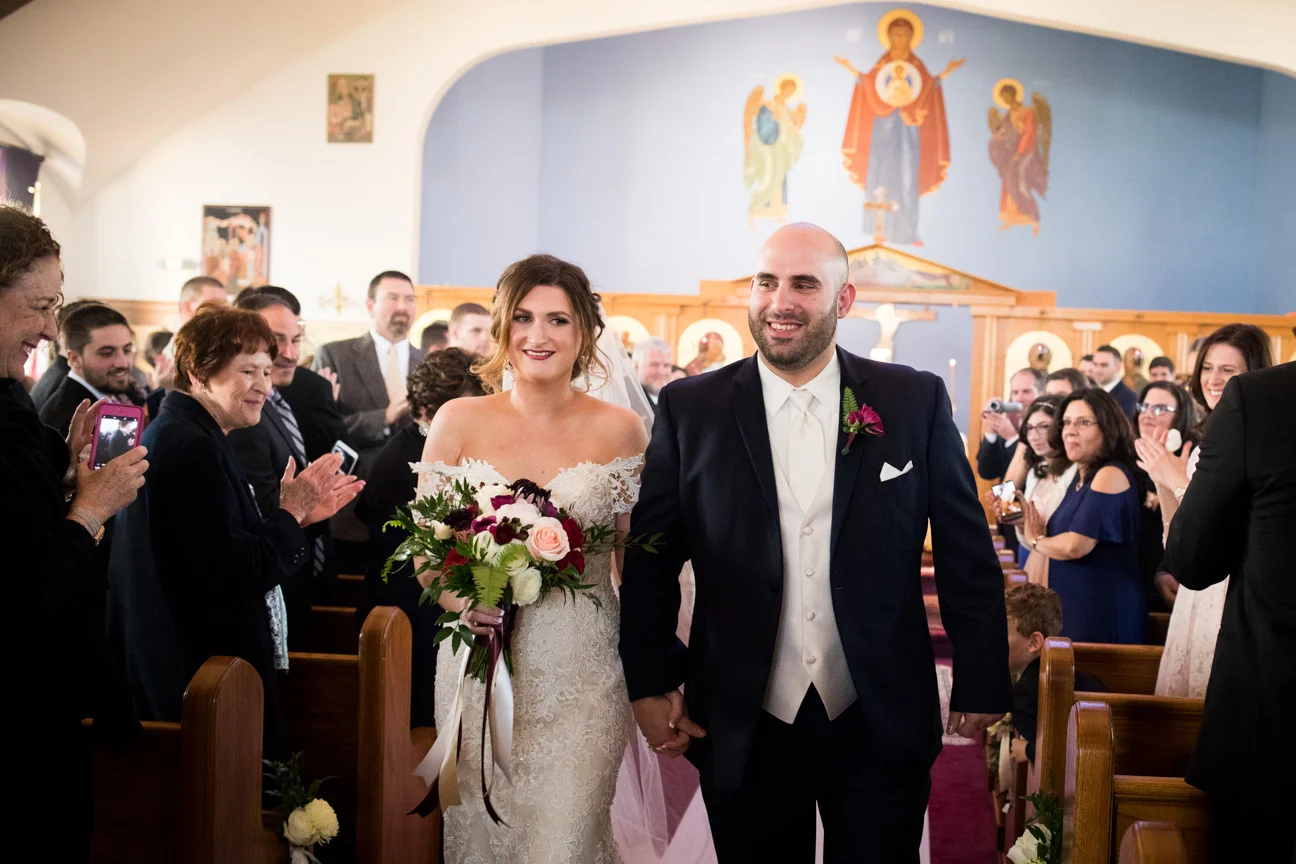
{"points": [[349, 456], [116, 430], [1010, 510]]}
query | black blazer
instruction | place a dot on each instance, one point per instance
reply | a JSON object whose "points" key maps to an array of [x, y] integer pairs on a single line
{"points": [[1025, 709], [993, 458], [709, 488], [310, 396], [191, 563], [1127, 400], [50, 381], [56, 411], [1238, 518]]}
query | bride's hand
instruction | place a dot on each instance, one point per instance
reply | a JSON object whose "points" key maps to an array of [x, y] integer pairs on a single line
{"points": [[481, 620]]}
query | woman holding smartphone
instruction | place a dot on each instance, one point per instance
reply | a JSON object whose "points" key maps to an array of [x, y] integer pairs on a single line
{"points": [[55, 632]]}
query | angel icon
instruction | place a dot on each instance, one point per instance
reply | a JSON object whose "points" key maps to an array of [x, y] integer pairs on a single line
{"points": [[1020, 138], [772, 142]]}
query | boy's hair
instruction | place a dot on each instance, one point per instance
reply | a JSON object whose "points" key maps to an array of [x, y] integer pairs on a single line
{"points": [[1035, 609]]}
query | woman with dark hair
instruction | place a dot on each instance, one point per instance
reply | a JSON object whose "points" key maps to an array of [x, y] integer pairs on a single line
{"points": [[441, 376], [195, 567], [1091, 540], [1233, 349], [1040, 473], [56, 591]]}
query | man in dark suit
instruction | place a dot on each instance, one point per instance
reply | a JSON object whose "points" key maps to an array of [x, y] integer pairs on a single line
{"points": [[999, 441], [809, 668], [371, 372], [100, 349], [1237, 518], [264, 450], [58, 369], [1108, 370]]}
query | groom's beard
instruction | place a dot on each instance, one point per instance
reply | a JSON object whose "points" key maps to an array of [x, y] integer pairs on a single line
{"points": [[816, 336]]}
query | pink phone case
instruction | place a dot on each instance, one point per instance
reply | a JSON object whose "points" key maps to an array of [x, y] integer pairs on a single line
{"points": [[116, 430]]}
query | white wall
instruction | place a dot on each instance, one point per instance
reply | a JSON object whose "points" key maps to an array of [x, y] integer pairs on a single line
{"points": [[343, 212]]}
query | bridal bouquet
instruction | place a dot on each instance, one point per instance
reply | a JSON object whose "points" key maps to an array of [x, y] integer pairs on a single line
{"points": [[496, 547]]}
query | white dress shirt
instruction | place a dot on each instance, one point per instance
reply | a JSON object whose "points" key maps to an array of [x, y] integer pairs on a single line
{"points": [[94, 391], [808, 649], [1110, 387], [382, 345]]}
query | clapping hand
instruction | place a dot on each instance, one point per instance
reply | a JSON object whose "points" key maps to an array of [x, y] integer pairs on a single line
{"points": [[665, 723], [305, 496], [1033, 524], [330, 376], [1166, 469]]}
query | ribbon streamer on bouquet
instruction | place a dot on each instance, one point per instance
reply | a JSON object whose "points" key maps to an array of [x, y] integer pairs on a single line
{"points": [[439, 768], [302, 855]]}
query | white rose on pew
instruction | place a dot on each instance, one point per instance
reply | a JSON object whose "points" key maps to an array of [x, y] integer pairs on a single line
{"points": [[442, 531], [299, 828], [1026, 850], [526, 586], [323, 818]]}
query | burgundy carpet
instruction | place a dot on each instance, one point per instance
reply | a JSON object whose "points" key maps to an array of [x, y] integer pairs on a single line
{"points": [[960, 819]]}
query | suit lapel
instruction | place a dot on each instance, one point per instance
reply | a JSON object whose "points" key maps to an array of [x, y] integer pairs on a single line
{"points": [[749, 411], [366, 360], [847, 466]]}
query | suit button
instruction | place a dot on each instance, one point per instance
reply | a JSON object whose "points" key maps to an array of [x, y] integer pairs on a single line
{"points": [[809, 571], [810, 616], [807, 530], [811, 660]]}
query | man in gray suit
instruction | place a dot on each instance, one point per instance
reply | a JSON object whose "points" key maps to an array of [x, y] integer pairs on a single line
{"points": [[371, 372]]}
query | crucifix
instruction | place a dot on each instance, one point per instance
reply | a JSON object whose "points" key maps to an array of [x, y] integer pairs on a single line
{"points": [[883, 207], [890, 319], [338, 300]]}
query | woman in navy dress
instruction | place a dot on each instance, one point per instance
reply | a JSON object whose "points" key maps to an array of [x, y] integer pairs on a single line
{"points": [[1092, 539]]}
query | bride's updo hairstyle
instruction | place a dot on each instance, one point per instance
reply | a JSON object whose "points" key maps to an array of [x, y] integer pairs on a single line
{"points": [[515, 283]]}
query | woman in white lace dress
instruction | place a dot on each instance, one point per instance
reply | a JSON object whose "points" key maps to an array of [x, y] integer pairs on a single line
{"points": [[1195, 619], [571, 720]]}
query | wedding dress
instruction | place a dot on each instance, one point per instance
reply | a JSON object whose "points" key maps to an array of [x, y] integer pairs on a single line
{"points": [[571, 719], [1194, 629]]}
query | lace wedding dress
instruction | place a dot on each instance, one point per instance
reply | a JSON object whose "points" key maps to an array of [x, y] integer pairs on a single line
{"points": [[571, 718], [1194, 629]]}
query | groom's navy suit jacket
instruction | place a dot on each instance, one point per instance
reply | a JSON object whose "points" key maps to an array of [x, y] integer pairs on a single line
{"points": [[709, 488]]}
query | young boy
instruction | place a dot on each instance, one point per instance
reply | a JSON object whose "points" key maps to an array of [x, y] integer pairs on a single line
{"points": [[1034, 614]]}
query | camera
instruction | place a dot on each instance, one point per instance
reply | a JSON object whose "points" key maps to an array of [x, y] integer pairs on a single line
{"points": [[999, 406]]}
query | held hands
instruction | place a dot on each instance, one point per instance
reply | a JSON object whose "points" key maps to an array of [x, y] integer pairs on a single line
{"points": [[303, 495], [665, 723], [1165, 468], [102, 494], [397, 410], [481, 620], [968, 725]]}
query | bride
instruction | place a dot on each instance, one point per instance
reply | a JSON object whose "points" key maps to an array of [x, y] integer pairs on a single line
{"points": [[572, 721]]}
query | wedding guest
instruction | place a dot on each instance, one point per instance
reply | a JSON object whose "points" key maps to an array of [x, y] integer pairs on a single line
{"points": [[1034, 614], [677, 373], [60, 672], [58, 368], [435, 337], [1237, 518], [196, 568], [100, 350], [1066, 381], [439, 377], [1041, 473], [1162, 406], [652, 363], [1108, 369], [1161, 369], [999, 442], [1086, 365], [470, 329], [1230, 351], [1091, 540]]}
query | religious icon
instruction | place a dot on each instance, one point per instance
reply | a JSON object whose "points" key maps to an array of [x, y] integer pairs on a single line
{"points": [[710, 356], [350, 109], [1020, 139], [889, 320], [772, 142], [896, 146], [1041, 356], [236, 245], [1132, 361]]}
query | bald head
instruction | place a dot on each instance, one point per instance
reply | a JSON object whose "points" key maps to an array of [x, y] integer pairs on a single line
{"points": [[813, 240]]}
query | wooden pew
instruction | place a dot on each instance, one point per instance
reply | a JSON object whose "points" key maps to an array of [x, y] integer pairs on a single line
{"points": [[332, 630], [1126, 758], [190, 792], [1013, 578], [1153, 843], [1122, 668], [349, 590], [1158, 624], [349, 715]]}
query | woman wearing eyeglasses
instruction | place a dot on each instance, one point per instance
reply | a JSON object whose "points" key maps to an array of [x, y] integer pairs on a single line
{"points": [[1189, 653], [1091, 540]]}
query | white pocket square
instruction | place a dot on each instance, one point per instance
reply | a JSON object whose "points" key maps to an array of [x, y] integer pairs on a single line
{"points": [[890, 473]]}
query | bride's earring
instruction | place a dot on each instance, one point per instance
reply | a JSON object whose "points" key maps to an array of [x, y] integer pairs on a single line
{"points": [[508, 365]]}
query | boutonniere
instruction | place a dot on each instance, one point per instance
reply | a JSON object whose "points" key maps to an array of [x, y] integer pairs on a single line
{"points": [[857, 418]]}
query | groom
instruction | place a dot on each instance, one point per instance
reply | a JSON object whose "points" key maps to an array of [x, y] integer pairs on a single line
{"points": [[809, 676]]}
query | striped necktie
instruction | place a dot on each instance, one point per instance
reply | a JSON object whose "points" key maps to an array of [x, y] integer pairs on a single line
{"points": [[282, 408]]}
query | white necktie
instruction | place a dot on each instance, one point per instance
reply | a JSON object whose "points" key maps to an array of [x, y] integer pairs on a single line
{"points": [[392, 377], [805, 449]]}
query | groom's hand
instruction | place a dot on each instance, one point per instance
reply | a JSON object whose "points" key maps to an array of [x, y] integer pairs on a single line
{"points": [[665, 723], [968, 725]]}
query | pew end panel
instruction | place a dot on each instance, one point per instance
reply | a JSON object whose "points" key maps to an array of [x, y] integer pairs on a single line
{"points": [[1152, 843], [1056, 693], [1087, 794], [1164, 800]]}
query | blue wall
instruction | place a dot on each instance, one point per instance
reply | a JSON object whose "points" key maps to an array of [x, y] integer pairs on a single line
{"points": [[1276, 201]]}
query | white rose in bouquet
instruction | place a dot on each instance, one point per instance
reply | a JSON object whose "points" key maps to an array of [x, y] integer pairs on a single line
{"points": [[523, 511], [526, 586], [1026, 850], [484, 547], [442, 531], [323, 818], [513, 558], [486, 493], [299, 828]]}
